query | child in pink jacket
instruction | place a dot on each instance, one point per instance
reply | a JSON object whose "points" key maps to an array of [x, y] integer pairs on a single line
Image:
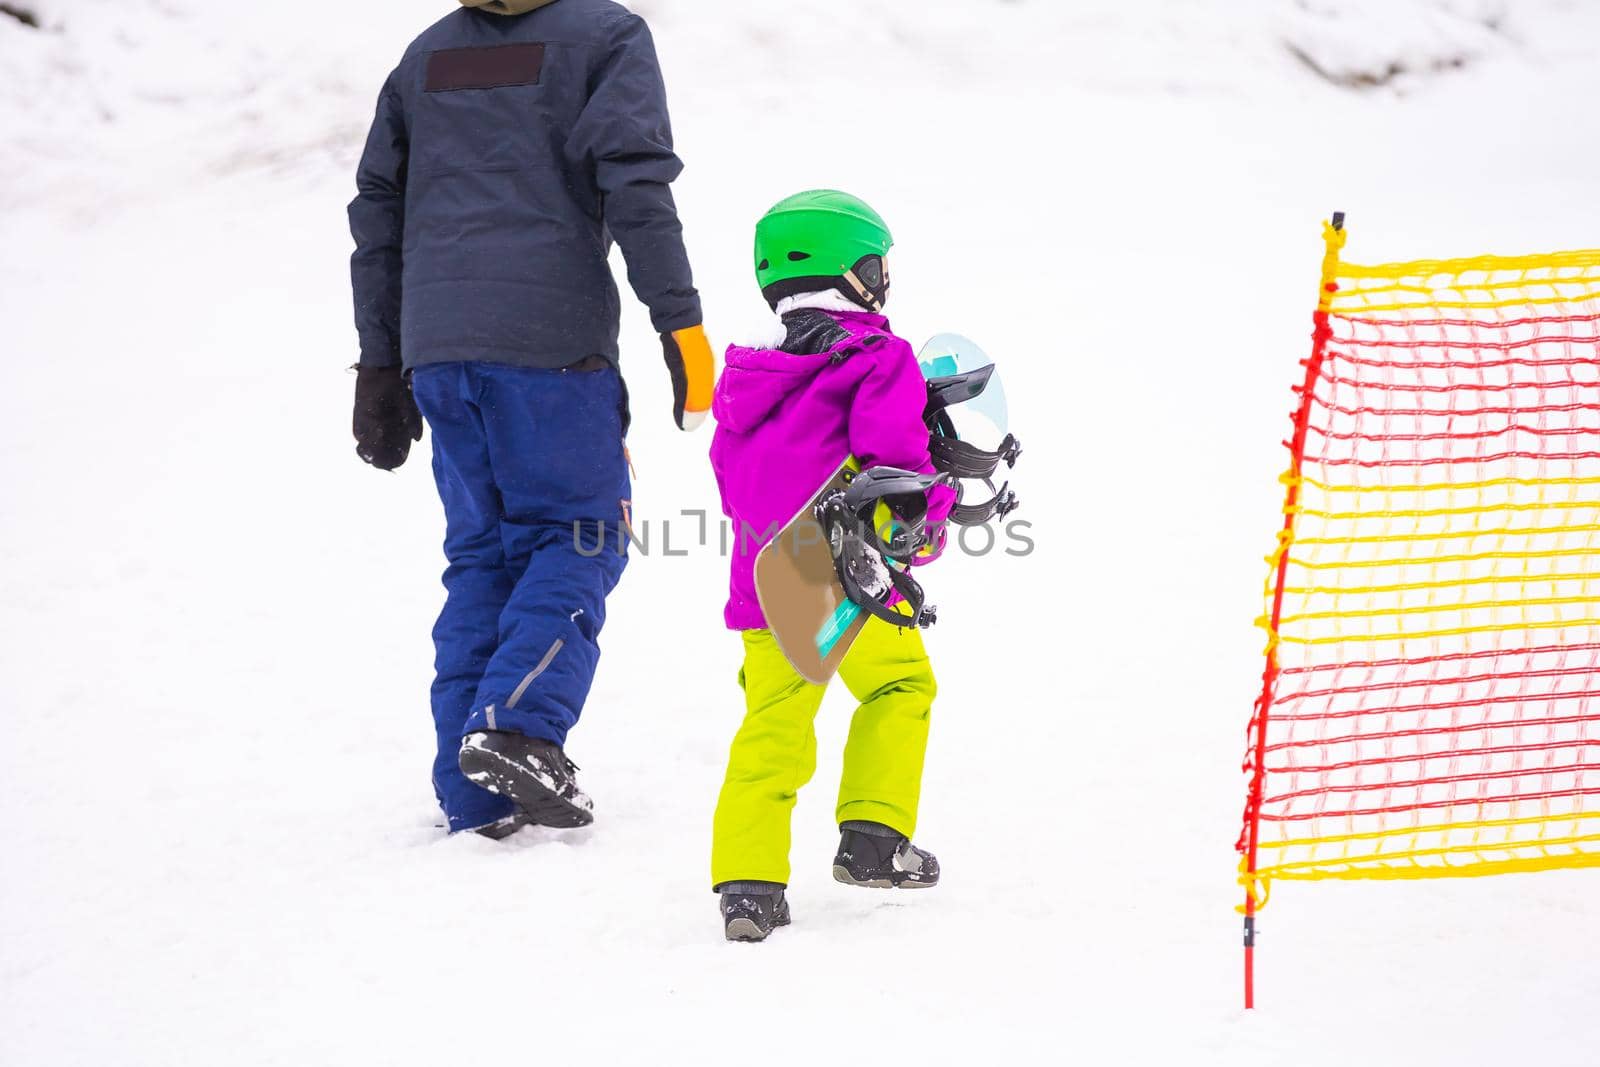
{"points": [[840, 384]]}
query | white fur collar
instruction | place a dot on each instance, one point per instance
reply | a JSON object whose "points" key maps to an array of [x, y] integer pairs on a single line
{"points": [[827, 300]]}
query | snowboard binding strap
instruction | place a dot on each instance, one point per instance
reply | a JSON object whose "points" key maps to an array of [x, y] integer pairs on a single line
{"points": [[871, 566], [963, 460], [1002, 503], [956, 457]]}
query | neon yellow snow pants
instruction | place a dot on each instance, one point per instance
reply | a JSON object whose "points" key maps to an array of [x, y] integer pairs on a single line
{"points": [[775, 751]]}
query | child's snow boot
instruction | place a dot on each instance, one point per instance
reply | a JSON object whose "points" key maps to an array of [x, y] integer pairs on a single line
{"points": [[874, 856], [752, 910], [532, 773]]}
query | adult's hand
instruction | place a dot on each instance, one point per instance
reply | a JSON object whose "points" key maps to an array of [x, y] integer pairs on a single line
{"points": [[386, 417], [694, 372]]}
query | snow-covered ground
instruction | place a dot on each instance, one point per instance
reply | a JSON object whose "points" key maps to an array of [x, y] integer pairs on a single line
{"points": [[217, 840]]}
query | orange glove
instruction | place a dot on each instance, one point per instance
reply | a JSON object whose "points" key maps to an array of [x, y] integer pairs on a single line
{"points": [[694, 372]]}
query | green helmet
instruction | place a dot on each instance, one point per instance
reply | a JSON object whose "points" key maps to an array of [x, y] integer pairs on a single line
{"points": [[823, 239]]}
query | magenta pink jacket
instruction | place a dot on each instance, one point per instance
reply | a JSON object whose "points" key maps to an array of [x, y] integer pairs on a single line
{"points": [[785, 423]]}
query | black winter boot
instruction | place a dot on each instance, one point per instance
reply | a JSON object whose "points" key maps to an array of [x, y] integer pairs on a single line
{"points": [[502, 828], [874, 856], [532, 773], [752, 910]]}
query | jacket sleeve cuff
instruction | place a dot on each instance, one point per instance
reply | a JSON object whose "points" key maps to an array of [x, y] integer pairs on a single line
{"points": [[382, 355], [677, 319]]}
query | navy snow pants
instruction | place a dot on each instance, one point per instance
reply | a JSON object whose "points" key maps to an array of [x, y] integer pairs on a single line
{"points": [[531, 469]]}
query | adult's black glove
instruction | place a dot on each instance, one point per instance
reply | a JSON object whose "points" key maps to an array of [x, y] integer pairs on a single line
{"points": [[386, 419]]}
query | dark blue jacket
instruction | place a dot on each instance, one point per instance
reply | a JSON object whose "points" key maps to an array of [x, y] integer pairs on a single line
{"points": [[506, 154]]}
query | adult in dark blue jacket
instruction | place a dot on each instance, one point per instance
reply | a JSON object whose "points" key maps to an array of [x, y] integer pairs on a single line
{"points": [[513, 143]]}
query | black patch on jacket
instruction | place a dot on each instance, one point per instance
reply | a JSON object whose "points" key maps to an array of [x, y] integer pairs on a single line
{"points": [[484, 68], [811, 332]]}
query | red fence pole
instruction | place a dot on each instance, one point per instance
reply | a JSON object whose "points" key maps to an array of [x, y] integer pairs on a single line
{"points": [[1333, 238]]}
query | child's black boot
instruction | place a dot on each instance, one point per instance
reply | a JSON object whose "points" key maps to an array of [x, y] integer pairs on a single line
{"points": [[752, 910], [877, 857]]}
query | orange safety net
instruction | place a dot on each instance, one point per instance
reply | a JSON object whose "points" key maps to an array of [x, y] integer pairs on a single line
{"points": [[1429, 706]]}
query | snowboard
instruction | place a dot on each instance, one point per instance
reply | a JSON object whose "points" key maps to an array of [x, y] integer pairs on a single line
{"points": [[797, 586], [810, 616]]}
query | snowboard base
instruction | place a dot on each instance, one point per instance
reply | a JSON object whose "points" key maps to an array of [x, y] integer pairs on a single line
{"points": [[807, 611]]}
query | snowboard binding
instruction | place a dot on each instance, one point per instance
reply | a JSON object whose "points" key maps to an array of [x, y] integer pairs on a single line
{"points": [[875, 526], [963, 460], [846, 557]]}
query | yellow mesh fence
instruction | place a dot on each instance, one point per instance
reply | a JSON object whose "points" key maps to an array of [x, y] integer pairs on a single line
{"points": [[1433, 606]]}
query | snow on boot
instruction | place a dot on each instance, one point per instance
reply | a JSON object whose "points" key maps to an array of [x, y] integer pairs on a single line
{"points": [[874, 856], [532, 773], [752, 910]]}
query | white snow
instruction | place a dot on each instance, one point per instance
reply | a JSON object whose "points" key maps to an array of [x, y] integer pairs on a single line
{"points": [[219, 844]]}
